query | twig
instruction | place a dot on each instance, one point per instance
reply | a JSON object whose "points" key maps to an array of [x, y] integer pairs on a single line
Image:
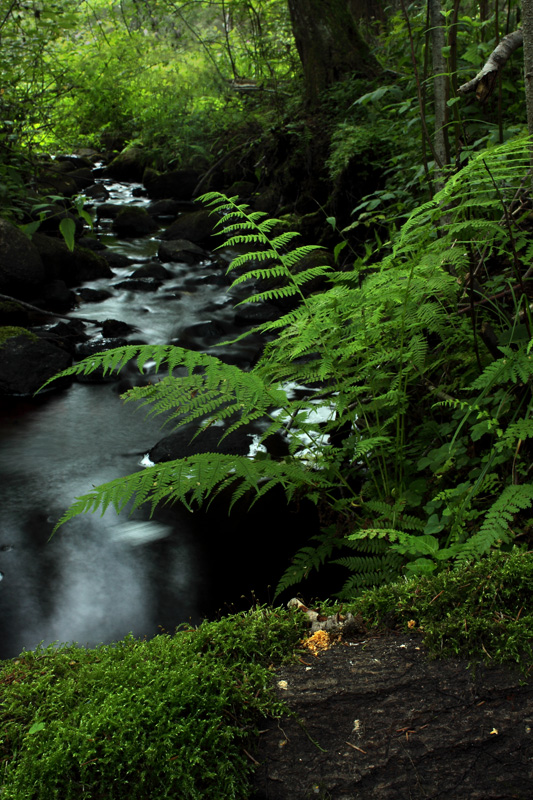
{"points": [[45, 312]]}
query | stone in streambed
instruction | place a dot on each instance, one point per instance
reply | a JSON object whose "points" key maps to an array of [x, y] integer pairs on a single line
{"points": [[22, 271], [27, 361], [181, 250], [197, 227], [134, 221], [153, 270]]}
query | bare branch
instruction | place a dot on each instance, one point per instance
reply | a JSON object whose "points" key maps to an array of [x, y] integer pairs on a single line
{"points": [[484, 82]]}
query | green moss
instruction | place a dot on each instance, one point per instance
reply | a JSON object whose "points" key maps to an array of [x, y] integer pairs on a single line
{"points": [[10, 331], [164, 718], [482, 611]]}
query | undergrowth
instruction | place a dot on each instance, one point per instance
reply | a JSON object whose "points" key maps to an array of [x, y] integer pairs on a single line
{"points": [[178, 716], [412, 428]]}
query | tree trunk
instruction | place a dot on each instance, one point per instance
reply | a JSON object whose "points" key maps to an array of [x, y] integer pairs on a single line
{"points": [[329, 44], [440, 84], [527, 27]]}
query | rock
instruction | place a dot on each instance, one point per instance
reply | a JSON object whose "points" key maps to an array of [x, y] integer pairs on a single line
{"points": [[98, 346], [180, 250], [53, 182], [51, 217], [90, 243], [129, 165], [242, 189], [181, 444], [72, 267], [116, 260], [134, 221], [22, 271], [83, 178], [201, 332], [93, 295], [373, 719], [78, 161], [267, 201], [26, 362], [196, 226], [164, 208], [57, 297], [152, 270], [255, 313], [97, 192], [178, 185], [108, 211], [113, 328], [138, 284]]}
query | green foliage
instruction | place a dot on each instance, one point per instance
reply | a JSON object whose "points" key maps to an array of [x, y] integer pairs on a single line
{"points": [[409, 474], [165, 718], [480, 611]]}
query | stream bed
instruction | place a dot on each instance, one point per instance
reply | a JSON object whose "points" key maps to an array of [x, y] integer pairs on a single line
{"points": [[101, 577]]}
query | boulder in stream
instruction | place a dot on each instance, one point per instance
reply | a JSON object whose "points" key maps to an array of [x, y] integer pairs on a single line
{"points": [[27, 361], [22, 271], [134, 221], [181, 250], [72, 267], [152, 270], [196, 226], [129, 165]]}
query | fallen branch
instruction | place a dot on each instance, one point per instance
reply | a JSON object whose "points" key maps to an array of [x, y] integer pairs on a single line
{"points": [[45, 312], [484, 82]]}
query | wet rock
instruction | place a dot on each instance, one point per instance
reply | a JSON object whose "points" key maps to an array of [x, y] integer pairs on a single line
{"points": [[51, 217], [116, 260], [128, 165], [207, 279], [152, 270], [267, 201], [72, 267], [255, 313], [98, 346], [196, 227], [373, 719], [201, 332], [164, 208], [180, 250], [108, 211], [181, 443], [114, 328], [138, 284], [22, 271], [90, 243], [93, 295], [83, 178], [53, 182], [76, 161], [134, 221], [57, 297], [97, 192], [178, 184], [26, 362]]}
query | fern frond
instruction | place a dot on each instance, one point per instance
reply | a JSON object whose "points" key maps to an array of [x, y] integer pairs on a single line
{"points": [[496, 527]]}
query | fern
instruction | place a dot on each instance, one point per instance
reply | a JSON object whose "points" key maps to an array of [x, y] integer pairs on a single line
{"points": [[379, 355]]}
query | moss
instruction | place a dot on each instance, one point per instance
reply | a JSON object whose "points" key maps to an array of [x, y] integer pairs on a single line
{"points": [[481, 611], [10, 331]]}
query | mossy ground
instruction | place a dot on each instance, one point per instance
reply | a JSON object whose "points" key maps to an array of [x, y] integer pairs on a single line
{"points": [[176, 716]]}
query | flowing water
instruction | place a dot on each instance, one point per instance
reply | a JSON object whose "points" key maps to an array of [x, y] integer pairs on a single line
{"points": [[100, 577]]}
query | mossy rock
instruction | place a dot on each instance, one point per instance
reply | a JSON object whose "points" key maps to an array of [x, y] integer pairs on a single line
{"points": [[8, 331]]}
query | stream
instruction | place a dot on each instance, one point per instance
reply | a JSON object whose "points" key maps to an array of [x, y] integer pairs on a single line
{"points": [[100, 578]]}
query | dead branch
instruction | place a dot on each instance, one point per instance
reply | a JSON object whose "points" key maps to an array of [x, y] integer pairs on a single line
{"points": [[484, 82]]}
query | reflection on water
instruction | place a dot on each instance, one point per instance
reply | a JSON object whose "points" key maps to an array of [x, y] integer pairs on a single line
{"points": [[98, 577]]}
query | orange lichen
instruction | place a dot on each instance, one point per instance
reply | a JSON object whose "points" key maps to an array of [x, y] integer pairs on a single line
{"points": [[319, 641]]}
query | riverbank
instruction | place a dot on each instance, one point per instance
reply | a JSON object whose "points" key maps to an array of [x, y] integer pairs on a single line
{"points": [[187, 715]]}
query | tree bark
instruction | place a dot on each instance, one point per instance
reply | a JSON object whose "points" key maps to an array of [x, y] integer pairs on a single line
{"points": [[440, 84], [527, 27], [329, 45], [485, 81]]}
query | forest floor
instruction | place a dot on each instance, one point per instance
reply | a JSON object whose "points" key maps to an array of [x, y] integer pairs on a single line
{"points": [[376, 718]]}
